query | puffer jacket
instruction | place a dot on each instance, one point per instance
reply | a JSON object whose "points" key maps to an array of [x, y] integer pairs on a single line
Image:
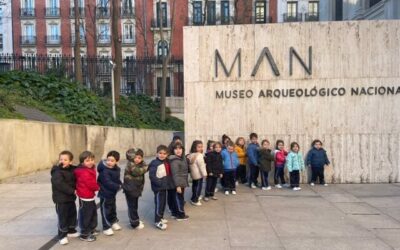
{"points": [[63, 183], [241, 153], [230, 160], [280, 157], [179, 170], [266, 159], [86, 185], [317, 158], [134, 178], [252, 154], [160, 175], [109, 180], [214, 163], [197, 166], [294, 161]]}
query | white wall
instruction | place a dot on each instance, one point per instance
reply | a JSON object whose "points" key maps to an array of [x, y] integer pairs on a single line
{"points": [[6, 27]]}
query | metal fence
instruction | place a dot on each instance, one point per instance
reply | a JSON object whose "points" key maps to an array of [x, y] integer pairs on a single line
{"points": [[139, 75]]}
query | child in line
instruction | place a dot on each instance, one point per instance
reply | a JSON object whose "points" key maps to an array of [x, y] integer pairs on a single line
{"points": [[316, 160], [210, 146], [252, 160], [215, 170], [63, 193], [295, 164], [110, 183], [231, 162], [241, 152], [225, 140], [86, 187], [280, 160], [133, 184], [197, 171], [161, 181], [179, 169], [266, 159]]}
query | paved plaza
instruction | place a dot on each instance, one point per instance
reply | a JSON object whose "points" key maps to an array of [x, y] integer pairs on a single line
{"points": [[335, 217]]}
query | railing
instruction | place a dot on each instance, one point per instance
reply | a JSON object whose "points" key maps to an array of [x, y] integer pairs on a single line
{"points": [[52, 12], [53, 40], [28, 40], [127, 13], [155, 23], [261, 19], [102, 12], [27, 12], [292, 17], [217, 21], [311, 17], [1, 41], [128, 40], [81, 12], [103, 39], [82, 40]]}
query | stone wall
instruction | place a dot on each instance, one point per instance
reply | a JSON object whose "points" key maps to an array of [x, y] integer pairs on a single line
{"points": [[360, 130], [27, 146]]}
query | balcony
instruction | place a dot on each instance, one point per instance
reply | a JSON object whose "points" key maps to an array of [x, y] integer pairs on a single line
{"points": [[261, 19], [53, 40], [28, 40], [102, 12], [27, 12], [81, 11], [103, 40], [155, 23], [292, 17], [128, 40], [311, 17], [82, 40], [127, 13], [52, 12], [212, 21]]}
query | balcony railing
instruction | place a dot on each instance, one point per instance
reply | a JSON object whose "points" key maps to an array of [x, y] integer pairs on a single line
{"points": [[128, 40], [53, 40], [127, 13], [311, 17], [156, 23], [103, 39], [102, 12], [82, 40], [261, 19], [81, 11], [28, 40], [217, 21], [27, 12], [52, 12], [292, 17]]}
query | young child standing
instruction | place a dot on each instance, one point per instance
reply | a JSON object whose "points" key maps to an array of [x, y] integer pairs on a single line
{"points": [[180, 170], [110, 183], [86, 187], [280, 160], [215, 170], [63, 188], [161, 181], [252, 159], [316, 160], [197, 170], [241, 152], [133, 185], [295, 164], [231, 162], [266, 159]]}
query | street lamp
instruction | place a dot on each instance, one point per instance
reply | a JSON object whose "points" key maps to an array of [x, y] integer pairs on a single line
{"points": [[113, 90]]}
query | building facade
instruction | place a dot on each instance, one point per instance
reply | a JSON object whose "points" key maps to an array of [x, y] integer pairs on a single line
{"points": [[5, 27]]}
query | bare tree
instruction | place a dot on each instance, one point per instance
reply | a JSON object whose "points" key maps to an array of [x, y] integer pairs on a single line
{"points": [[115, 20], [242, 8], [77, 45]]}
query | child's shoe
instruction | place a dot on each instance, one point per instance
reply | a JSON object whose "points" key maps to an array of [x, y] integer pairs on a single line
{"points": [[140, 226], [195, 203], [164, 221], [89, 238], [200, 197], [64, 241], [233, 192], [116, 227], [161, 225], [226, 192], [108, 232], [216, 190], [206, 199], [214, 198], [278, 186], [182, 218], [95, 232], [326, 184], [298, 188], [295, 189], [253, 186], [312, 184], [286, 185], [236, 183], [73, 234], [266, 188]]}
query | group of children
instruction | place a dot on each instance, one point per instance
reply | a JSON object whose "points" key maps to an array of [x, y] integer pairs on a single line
{"points": [[169, 173]]}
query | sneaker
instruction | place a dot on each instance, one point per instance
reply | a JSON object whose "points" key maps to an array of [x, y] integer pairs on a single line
{"points": [[89, 238], [200, 197], [206, 199], [226, 192], [233, 192], [312, 184], [108, 232], [164, 221], [73, 235], [236, 183], [214, 198], [216, 190], [195, 203], [278, 186], [296, 189], [266, 188], [326, 184], [161, 225], [116, 227], [253, 186], [140, 226], [183, 218], [95, 232], [64, 241]]}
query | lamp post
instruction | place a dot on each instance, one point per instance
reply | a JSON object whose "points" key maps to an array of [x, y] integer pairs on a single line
{"points": [[113, 90]]}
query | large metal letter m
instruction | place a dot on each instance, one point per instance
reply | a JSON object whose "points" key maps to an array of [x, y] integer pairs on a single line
{"points": [[227, 73]]}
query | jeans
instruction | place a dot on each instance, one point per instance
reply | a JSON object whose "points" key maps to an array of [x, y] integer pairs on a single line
{"points": [[264, 178], [197, 186], [254, 171], [279, 174], [211, 183], [229, 181], [294, 178], [317, 172]]}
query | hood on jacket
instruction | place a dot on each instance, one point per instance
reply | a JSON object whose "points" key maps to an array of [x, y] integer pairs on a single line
{"points": [[103, 165], [174, 157], [192, 157]]}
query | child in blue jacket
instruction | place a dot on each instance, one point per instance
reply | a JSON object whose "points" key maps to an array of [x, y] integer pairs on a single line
{"points": [[316, 160], [252, 159], [231, 162]]}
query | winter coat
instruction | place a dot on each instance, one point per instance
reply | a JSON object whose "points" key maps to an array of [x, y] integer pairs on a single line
{"points": [[86, 184], [317, 158], [241, 153], [294, 161], [108, 180], [179, 170], [134, 178], [252, 154], [214, 163], [266, 159], [63, 184], [160, 175], [197, 166], [280, 157], [230, 160]]}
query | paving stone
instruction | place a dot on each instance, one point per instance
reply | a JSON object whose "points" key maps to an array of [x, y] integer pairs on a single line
{"points": [[357, 208]]}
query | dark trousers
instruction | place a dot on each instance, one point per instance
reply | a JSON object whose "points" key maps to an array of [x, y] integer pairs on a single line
{"points": [[229, 181], [294, 178], [197, 186], [160, 200], [211, 183], [279, 174], [317, 172], [108, 211], [66, 213], [264, 178], [180, 203], [241, 174], [171, 200], [133, 215], [87, 217], [254, 171]]}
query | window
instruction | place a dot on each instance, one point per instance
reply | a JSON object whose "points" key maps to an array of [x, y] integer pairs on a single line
{"points": [[211, 13], [103, 3], [292, 9], [127, 7], [313, 11], [225, 12], [129, 34], [104, 33], [260, 9], [163, 12], [339, 10], [197, 13], [162, 48], [53, 33], [28, 4], [29, 30], [373, 2], [53, 4]]}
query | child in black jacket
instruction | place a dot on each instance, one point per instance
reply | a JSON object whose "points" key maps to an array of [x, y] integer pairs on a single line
{"points": [[215, 170], [63, 188]]}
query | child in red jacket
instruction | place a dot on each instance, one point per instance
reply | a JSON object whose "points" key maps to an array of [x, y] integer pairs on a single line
{"points": [[280, 159], [86, 186]]}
